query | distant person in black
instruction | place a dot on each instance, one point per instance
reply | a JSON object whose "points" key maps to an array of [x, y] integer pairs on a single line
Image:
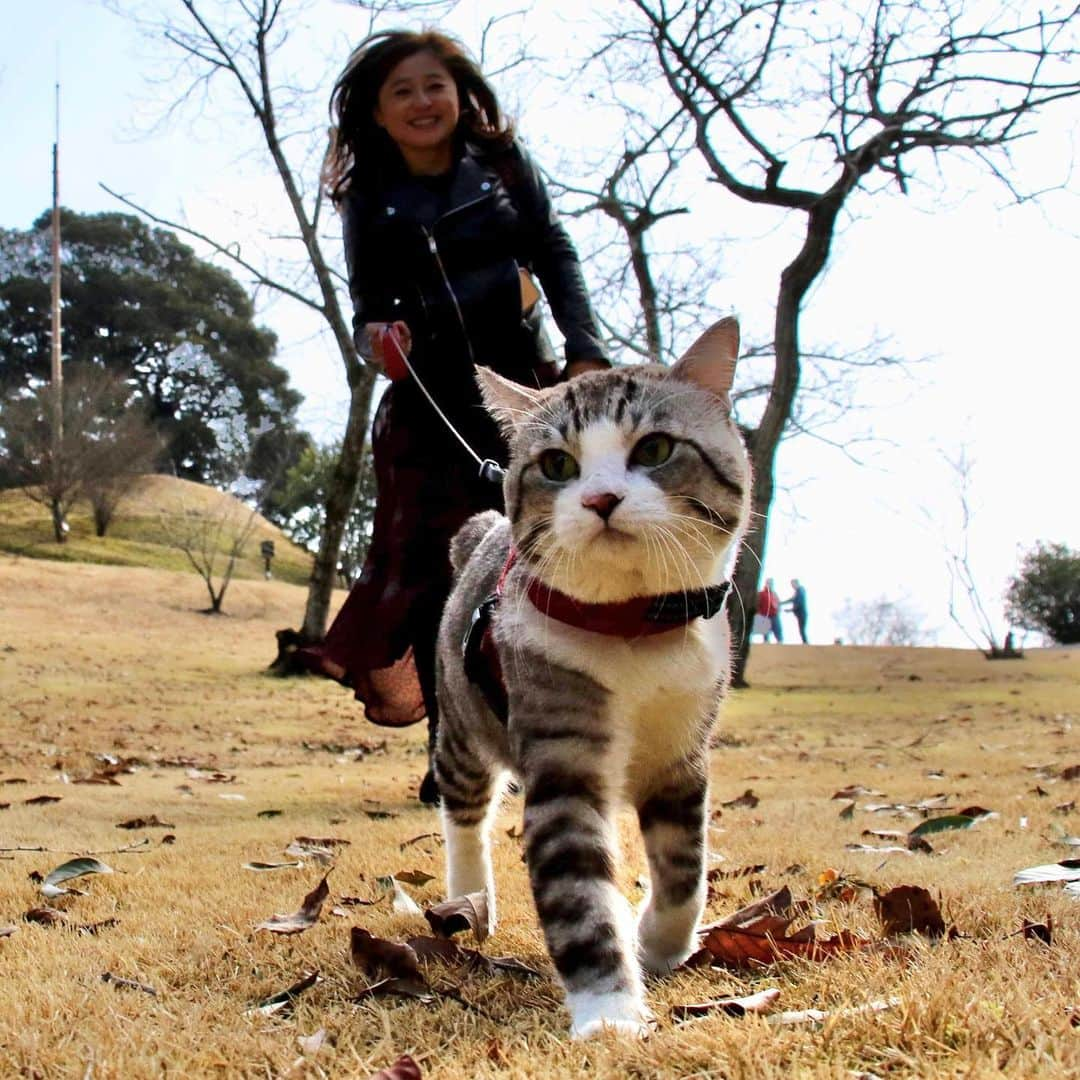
{"points": [[797, 603]]}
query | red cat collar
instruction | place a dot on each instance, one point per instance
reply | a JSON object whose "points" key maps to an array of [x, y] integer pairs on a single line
{"points": [[629, 619], [640, 616]]}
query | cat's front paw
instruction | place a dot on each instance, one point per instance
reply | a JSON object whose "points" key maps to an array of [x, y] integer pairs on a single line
{"points": [[594, 1015], [663, 961]]}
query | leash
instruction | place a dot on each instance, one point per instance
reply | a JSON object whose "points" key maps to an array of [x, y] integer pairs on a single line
{"points": [[397, 367]]}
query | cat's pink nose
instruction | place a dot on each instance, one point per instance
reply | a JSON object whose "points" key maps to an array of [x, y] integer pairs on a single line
{"points": [[603, 503]]}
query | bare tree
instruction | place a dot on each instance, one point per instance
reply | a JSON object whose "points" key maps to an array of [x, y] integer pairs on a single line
{"points": [[837, 99], [121, 455], [881, 621], [212, 528], [105, 444], [238, 45], [967, 609]]}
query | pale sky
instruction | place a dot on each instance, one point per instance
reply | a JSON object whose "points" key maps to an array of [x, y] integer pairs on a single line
{"points": [[983, 290]]}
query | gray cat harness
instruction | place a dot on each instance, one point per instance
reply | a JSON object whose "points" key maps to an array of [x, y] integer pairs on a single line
{"points": [[640, 616]]}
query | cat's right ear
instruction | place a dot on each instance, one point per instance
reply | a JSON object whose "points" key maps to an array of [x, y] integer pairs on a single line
{"points": [[710, 361], [508, 402]]}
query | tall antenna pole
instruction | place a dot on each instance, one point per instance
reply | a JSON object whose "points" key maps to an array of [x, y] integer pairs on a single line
{"points": [[57, 373]]}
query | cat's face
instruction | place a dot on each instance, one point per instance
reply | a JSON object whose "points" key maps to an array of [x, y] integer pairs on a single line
{"points": [[629, 482]]}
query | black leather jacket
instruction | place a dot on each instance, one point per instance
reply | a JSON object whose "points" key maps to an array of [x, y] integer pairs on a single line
{"points": [[446, 262]]}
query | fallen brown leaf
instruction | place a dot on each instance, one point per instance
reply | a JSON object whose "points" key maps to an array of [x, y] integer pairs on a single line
{"points": [[1043, 932], [433, 948], [397, 964], [304, 919], [747, 799], [732, 1006], [282, 1001], [402, 1069], [414, 877], [127, 984], [151, 822], [909, 909], [764, 941], [40, 800], [322, 841], [460, 913]]}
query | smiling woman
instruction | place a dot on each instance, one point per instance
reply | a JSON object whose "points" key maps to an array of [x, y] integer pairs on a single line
{"points": [[446, 219]]}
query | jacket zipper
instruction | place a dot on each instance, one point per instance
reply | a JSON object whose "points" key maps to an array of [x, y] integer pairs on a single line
{"points": [[433, 247]]}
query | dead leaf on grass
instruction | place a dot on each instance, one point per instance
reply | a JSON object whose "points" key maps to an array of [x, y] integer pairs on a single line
{"points": [[7, 931], [941, 824], [855, 791], [819, 1016], [747, 799], [434, 837], [402, 1069], [283, 1000], [310, 1045], [73, 868], [909, 909], [211, 777], [323, 856], [469, 912], [1043, 932], [396, 966], [450, 952], [40, 800], [377, 812], [414, 877], [1065, 807], [127, 984], [45, 916], [264, 866], [151, 822], [848, 812], [400, 900], [302, 920], [719, 874], [326, 842], [765, 941], [269, 813], [732, 1006], [1066, 870]]}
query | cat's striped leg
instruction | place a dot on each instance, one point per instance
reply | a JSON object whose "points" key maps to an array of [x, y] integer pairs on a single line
{"points": [[672, 820], [469, 791], [571, 851]]}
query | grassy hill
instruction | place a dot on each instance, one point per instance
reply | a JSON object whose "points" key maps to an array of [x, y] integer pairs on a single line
{"points": [[144, 531], [105, 663]]}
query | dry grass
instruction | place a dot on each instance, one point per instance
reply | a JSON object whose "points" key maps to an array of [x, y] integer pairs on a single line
{"points": [[100, 659], [141, 534]]}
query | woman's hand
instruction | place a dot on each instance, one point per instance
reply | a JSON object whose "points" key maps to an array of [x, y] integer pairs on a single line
{"points": [[377, 333]]}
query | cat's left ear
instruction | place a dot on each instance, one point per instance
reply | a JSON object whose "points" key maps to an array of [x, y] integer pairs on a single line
{"points": [[508, 402], [710, 361]]}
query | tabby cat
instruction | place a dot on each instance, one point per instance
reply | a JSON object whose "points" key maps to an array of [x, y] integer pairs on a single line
{"points": [[626, 495]]}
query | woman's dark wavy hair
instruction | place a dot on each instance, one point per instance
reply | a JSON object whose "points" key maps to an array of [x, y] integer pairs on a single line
{"points": [[359, 147]]}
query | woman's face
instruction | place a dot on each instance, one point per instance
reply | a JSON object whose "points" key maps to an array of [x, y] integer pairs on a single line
{"points": [[418, 107]]}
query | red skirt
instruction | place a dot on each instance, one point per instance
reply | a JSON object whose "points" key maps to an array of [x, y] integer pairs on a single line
{"points": [[428, 487]]}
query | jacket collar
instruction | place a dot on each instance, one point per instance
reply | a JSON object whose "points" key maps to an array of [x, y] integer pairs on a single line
{"points": [[640, 616]]}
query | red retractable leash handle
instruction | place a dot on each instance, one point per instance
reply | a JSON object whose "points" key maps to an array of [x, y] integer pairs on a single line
{"points": [[393, 354]]}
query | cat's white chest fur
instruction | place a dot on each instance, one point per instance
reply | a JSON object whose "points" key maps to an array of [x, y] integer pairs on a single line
{"points": [[660, 688]]}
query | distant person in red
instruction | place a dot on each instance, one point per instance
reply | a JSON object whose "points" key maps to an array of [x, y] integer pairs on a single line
{"points": [[768, 607], [797, 603]]}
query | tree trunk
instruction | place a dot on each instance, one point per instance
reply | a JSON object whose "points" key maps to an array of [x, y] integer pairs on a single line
{"points": [[339, 503], [58, 523], [795, 280]]}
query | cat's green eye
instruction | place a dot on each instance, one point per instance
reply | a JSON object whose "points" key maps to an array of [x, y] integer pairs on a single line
{"points": [[653, 450], [559, 466]]}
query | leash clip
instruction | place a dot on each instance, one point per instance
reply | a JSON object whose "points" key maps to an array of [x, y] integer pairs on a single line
{"points": [[492, 470]]}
